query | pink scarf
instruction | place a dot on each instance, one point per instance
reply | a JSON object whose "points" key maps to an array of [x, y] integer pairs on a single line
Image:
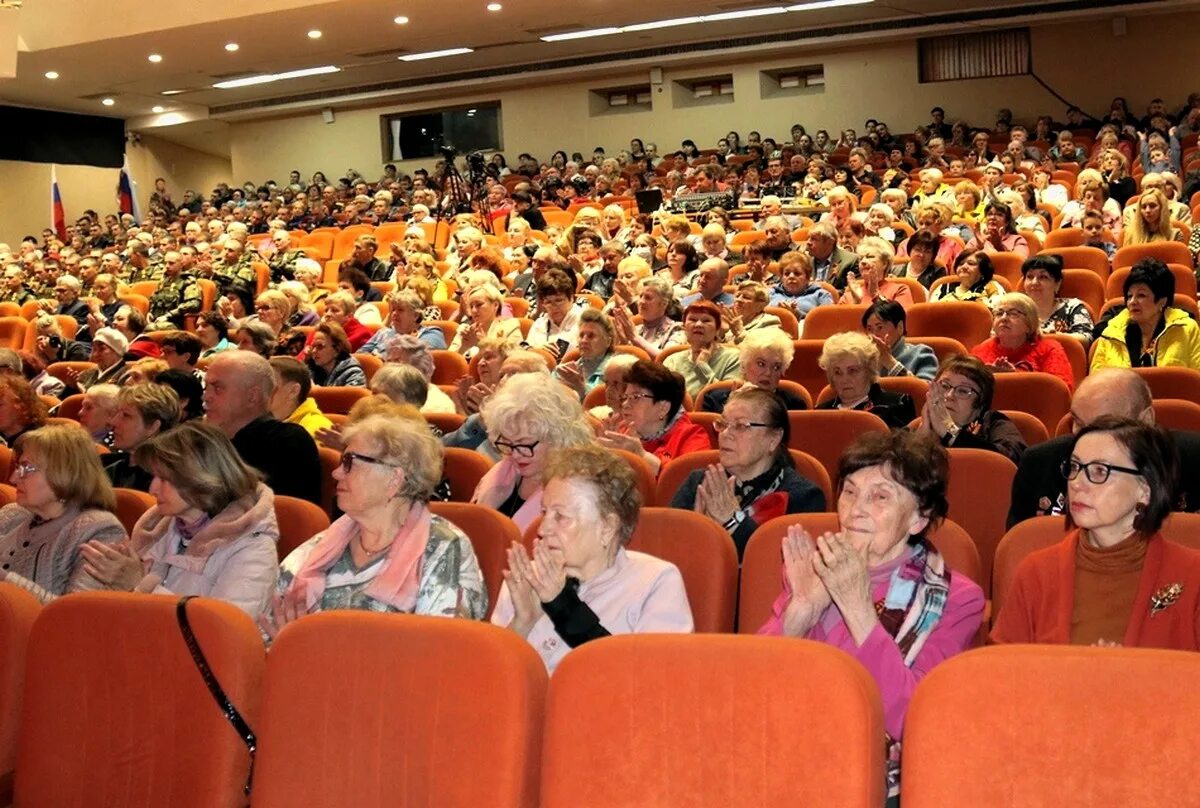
{"points": [[396, 584], [498, 485]]}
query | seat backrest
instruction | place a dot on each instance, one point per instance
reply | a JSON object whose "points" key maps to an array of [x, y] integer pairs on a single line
{"points": [[762, 563], [131, 505], [70, 407], [1003, 726], [943, 347], [370, 364], [913, 386], [645, 477], [710, 717], [330, 460], [671, 476], [430, 733], [825, 434], [157, 738], [1172, 382], [1076, 354], [1032, 429], [787, 320], [1169, 252], [1174, 413], [1076, 256], [464, 469], [18, 611], [448, 367], [1185, 281], [804, 369], [705, 556], [1042, 395], [491, 534], [968, 322], [338, 399], [12, 332], [979, 491], [299, 520], [825, 321], [1021, 539]]}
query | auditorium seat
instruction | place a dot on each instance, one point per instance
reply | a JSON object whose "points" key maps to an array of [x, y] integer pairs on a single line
{"points": [[804, 369], [131, 505], [447, 422], [321, 241], [116, 712], [448, 367], [968, 322], [825, 434], [641, 470], [330, 459], [370, 364], [979, 491], [338, 399], [299, 520], [1169, 252], [12, 332], [491, 534], [8, 493], [1007, 266], [1052, 726], [1042, 395], [1076, 355], [68, 372], [762, 564], [424, 711], [464, 468], [1185, 282], [18, 611], [825, 321], [711, 722], [673, 475], [1076, 256], [943, 347], [1031, 427], [1172, 382], [66, 324], [787, 320], [788, 385]]}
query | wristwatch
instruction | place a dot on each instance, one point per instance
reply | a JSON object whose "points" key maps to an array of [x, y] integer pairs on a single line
{"points": [[953, 431]]}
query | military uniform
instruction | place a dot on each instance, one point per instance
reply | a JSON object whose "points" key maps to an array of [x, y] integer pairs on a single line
{"points": [[153, 271], [20, 296], [283, 265], [240, 274], [175, 298]]}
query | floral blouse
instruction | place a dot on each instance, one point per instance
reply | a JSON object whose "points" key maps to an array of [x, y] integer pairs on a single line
{"points": [[1070, 316]]}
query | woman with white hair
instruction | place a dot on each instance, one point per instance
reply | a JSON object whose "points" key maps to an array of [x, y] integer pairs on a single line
{"points": [[302, 309], [869, 282], [878, 222], [749, 311], [483, 304], [851, 362], [656, 332], [405, 313], [388, 553], [527, 418], [309, 273], [932, 188], [407, 349], [764, 357]]}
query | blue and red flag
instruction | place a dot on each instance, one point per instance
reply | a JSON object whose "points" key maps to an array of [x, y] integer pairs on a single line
{"points": [[58, 217], [127, 192]]}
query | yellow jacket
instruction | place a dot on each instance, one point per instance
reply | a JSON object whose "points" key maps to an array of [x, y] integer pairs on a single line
{"points": [[309, 416], [1177, 346]]}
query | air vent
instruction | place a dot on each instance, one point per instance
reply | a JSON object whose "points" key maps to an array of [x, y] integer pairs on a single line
{"points": [[377, 54]]}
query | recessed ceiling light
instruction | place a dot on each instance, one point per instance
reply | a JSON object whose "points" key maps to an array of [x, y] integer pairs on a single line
{"points": [[401, 20], [108, 102], [155, 57], [314, 34], [51, 74], [158, 109], [231, 46], [494, 6], [416, 57], [172, 92]]}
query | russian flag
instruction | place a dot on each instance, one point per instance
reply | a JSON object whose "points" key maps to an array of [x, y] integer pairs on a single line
{"points": [[58, 217], [127, 192]]}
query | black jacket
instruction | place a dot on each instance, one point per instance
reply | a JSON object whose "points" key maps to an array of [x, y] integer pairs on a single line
{"points": [[896, 409], [285, 454]]}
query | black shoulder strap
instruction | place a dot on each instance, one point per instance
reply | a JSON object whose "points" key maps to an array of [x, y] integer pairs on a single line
{"points": [[214, 687]]}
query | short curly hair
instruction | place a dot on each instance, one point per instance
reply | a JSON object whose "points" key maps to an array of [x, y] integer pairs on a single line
{"points": [[915, 460], [525, 403], [608, 476], [850, 344]]}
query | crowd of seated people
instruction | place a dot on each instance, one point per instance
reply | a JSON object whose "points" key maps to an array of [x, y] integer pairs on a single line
{"points": [[556, 321]]}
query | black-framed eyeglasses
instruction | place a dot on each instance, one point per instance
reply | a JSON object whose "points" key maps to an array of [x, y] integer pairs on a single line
{"points": [[1096, 471], [350, 458], [518, 449]]}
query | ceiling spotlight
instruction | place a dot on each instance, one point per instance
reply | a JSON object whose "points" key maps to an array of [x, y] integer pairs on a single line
{"points": [[231, 46], [401, 20], [314, 34], [155, 57], [158, 109], [494, 6], [51, 74], [108, 102]]}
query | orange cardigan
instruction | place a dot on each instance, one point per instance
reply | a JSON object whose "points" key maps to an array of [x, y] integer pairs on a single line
{"points": [[1041, 602]]}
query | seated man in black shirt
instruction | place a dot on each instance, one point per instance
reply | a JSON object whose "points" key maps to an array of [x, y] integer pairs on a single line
{"points": [[1039, 488], [143, 411], [237, 397]]}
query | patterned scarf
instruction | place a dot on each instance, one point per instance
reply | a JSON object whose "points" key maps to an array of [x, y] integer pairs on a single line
{"points": [[911, 609]]}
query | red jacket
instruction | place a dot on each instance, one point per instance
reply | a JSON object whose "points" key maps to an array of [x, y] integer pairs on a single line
{"points": [[356, 332], [684, 436], [1041, 602], [1044, 355]]}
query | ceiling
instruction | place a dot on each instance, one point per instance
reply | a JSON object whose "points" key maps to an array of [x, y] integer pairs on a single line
{"points": [[105, 55]]}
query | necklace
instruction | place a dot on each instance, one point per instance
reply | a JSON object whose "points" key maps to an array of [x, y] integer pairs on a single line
{"points": [[363, 547]]}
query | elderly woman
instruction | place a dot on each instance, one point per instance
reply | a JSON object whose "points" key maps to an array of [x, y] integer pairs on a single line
{"points": [[1018, 344], [404, 317], [63, 501], [1042, 278], [877, 588], [257, 337], [1114, 579], [213, 330], [934, 218], [20, 408], [706, 361], [387, 553], [851, 362], [999, 233], [330, 359], [796, 290], [597, 336], [651, 421], [557, 325], [683, 264], [526, 419], [408, 350], [749, 311], [1151, 331], [1152, 221], [922, 247], [869, 281], [764, 356], [483, 305], [96, 411], [211, 533], [339, 310], [142, 411], [755, 479], [958, 411], [656, 332], [887, 323], [273, 309], [581, 583], [975, 280]]}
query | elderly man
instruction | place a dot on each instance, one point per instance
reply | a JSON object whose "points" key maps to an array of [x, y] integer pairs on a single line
{"points": [[830, 262], [234, 268], [710, 284], [67, 290], [14, 289], [237, 400], [283, 261], [1039, 488], [141, 268], [177, 296], [779, 237], [771, 206], [363, 258]]}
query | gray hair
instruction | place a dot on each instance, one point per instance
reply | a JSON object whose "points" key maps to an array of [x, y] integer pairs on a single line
{"points": [[403, 384], [11, 360], [408, 445], [767, 340], [416, 353], [546, 412], [251, 371]]}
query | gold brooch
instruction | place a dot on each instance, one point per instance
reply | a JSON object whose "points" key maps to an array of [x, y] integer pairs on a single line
{"points": [[1165, 597]]}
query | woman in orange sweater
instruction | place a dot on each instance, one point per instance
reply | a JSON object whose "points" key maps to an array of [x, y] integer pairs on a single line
{"points": [[1114, 580]]}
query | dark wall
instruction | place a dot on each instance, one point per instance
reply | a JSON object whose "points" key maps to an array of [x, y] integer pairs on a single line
{"points": [[40, 136]]}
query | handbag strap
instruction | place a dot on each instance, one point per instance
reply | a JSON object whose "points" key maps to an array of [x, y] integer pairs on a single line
{"points": [[214, 687]]}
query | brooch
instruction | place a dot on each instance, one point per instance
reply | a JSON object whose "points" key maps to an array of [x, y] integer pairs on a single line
{"points": [[1164, 597]]}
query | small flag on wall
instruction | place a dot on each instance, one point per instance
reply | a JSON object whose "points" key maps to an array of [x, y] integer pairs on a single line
{"points": [[58, 217], [127, 192]]}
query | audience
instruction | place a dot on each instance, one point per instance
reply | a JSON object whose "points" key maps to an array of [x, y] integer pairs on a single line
{"points": [[851, 363], [142, 411], [958, 411]]}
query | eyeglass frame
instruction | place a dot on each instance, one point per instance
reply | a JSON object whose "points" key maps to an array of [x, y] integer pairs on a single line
{"points": [[947, 389], [24, 468], [1070, 470], [350, 458], [516, 449], [739, 427]]}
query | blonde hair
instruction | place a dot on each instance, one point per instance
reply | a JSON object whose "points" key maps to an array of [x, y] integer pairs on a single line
{"points": [[343, 300], [874, 245], [525, 403], [1138, 231], [406, 443], [850, 345], [1029, 311], [276, 300], [67, 455], [201, 463]]}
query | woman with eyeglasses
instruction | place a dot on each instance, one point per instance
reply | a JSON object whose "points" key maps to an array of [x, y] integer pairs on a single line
{"points": [[755, 479], [1114, 579], [387, 553], [529, 416], [1017, 343], [212, 531], [651, 421], [851, 363], [958, 411]]}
